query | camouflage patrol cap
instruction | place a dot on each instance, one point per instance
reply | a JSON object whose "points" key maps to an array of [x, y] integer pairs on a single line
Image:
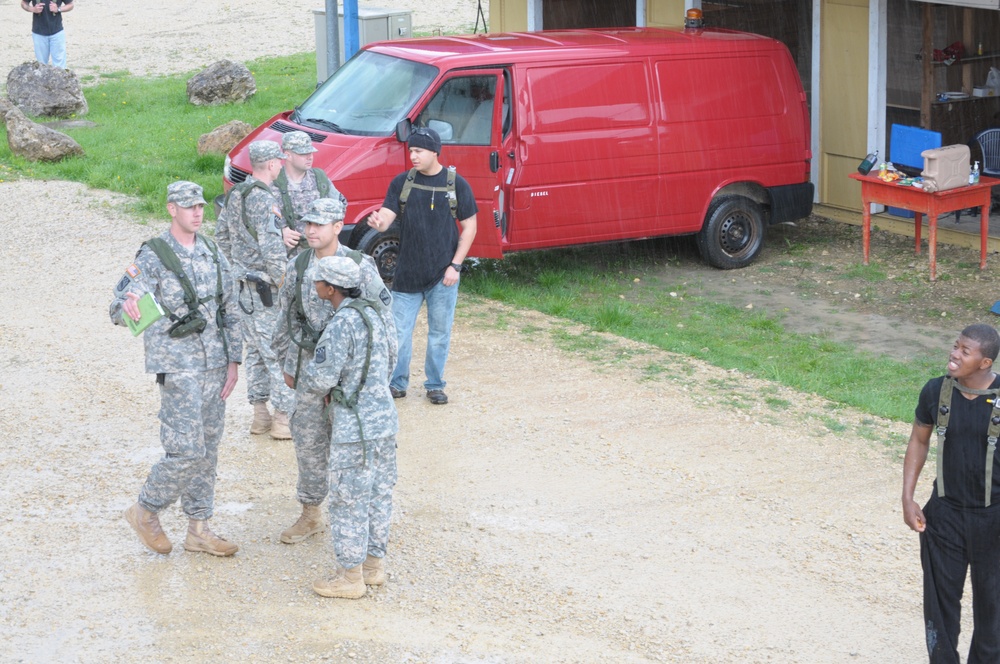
{"points": [[184, 193], [326, 211], [261, 151], [336, 271], [297, 142]]}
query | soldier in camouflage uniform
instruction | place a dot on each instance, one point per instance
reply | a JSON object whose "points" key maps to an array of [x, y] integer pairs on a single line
{"points": [[259, 257], [294, 339], [298, 185], [196, 371], [352, 363]]}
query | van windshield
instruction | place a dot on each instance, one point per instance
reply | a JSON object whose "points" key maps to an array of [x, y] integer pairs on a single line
{"points": [[369, 95]]}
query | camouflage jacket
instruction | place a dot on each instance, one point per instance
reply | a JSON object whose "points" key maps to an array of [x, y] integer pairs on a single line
{"points": [[264, 256], [318, 312], [340, 360], [196, 352]]}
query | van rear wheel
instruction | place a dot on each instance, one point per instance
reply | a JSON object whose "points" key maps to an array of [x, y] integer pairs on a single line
{"points": [[733, 233], [384, 249]]}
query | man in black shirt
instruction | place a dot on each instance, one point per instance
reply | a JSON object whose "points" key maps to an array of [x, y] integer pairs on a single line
{"points": [[429, 199], [960, 525], [47, 29]]}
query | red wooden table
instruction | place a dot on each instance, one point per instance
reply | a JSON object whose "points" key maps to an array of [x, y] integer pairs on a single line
{"points": [[933, 205]]}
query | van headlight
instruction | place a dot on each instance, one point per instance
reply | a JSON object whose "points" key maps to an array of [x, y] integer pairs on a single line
{"points": [[227, 168]]}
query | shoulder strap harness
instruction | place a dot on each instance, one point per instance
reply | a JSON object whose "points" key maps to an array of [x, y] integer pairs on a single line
{"points": [[309, 336], [944, 413], [244, 189], [323, 186], [170, 261], [411, 184], [337, 394]]}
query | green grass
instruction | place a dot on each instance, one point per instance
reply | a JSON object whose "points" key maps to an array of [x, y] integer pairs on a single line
{"points": [[147, 133], [595, 287]]}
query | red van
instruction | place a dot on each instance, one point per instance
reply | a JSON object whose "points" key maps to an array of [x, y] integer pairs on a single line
{"points": [[572, 137]]}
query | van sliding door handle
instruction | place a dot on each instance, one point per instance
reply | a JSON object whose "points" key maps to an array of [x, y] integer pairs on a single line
{"points": [[494, 161]]}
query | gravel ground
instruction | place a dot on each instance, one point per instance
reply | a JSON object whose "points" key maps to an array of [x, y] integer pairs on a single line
{"points": [[632, 506], [612, 504]]}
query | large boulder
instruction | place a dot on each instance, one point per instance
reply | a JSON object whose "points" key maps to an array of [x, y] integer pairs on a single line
{"points": [[224, 138], [5, 105], [37, 143], [44, 90], [222, 82]]}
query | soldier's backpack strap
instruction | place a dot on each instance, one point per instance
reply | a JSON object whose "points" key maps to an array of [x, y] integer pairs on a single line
{"points": [[337, 393], [948, 385], [307, 340], [410, 184], [170, 261], [323, 184], [244, 188], [281, 182]]}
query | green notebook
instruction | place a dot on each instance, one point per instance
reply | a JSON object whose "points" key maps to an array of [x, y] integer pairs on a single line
{"points": [[150, 311]]}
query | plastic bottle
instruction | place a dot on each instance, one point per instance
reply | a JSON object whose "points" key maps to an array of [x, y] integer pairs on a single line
{"points": [[866, 166], [974, 175], [979, 51]]}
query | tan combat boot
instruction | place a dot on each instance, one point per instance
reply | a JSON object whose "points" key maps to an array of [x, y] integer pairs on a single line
{"points": [[279, 426], [348, 584], [147, 525], [201, 538], [309, 523], [261, 418], [373, 571]]}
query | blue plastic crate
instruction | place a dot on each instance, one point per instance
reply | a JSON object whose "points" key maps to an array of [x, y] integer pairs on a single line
{"points": [[905, 145]]}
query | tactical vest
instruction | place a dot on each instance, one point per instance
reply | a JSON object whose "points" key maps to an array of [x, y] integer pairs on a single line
{"points": [[192, 322], [410, 184], [323, 185], [309, 336], [244, 189], [944, 413], [337, 394]]}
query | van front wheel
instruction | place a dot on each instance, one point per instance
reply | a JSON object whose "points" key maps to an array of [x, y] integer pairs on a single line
{"points": [[733, 233], [384, 249]]}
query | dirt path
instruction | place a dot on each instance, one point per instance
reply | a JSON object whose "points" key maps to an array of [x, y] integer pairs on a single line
{"points": [[559, 509]]}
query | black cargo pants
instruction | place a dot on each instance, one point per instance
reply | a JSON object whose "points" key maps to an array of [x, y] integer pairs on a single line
{"points": [[957, 540]]}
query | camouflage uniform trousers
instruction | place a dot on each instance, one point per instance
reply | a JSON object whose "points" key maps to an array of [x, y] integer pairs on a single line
{"points": [[265, 379], [192, 414], [258, 382], [311, 433], [362, 476]]}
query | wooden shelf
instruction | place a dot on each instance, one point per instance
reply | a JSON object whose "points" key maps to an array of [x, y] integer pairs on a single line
{"points": [[965, 60]]}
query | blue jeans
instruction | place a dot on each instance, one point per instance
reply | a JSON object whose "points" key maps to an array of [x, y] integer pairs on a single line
{"points": [[51, 45], [441, 301]]}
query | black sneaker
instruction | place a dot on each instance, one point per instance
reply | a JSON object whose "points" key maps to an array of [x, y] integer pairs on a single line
{"points": [[437, 397], [396, 394]]}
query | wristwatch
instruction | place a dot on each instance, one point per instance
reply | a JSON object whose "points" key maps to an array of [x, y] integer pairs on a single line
{"points": [[457, 266]]}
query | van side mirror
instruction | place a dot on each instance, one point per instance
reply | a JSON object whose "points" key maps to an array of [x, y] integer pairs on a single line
{"points": [[403, 129], [445, 130]]}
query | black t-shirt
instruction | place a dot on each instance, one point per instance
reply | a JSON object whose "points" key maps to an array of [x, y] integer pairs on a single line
{"points": [[965, 444], [46, 23], [427, 238]]}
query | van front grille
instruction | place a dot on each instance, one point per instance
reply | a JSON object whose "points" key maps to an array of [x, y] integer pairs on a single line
{"points": [[237, 175]]}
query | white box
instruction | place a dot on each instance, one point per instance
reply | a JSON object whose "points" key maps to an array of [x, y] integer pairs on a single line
{"points": [[980, 91]]}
